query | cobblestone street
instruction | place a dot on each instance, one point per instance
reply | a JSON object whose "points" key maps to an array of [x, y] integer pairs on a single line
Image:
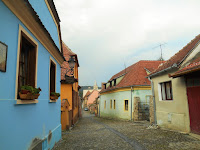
{"points": [[97, 133]]}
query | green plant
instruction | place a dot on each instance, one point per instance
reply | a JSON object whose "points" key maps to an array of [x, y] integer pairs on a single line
{"points": [[28, 88], [36, 90], [55, 94], [31, 89]]}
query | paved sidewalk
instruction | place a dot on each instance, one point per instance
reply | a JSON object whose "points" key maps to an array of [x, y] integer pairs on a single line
{"points": [[98, 133]]}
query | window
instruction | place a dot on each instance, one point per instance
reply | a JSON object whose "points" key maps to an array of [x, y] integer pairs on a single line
{"points": [[114, 82], [27, 62], [104, 104], [114, 104], [166, 90], [126, 105], [105, 86], [110, 104], [52, 76], [110, 83]]}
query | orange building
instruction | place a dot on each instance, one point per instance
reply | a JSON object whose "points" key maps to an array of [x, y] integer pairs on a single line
{"points": [[69, 89]]}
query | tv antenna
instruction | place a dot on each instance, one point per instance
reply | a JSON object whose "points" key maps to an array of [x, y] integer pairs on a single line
{"points": [[160, 45], [125, 66]]}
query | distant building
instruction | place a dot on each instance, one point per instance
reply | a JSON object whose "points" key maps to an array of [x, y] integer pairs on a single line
{"points": [[90, 95], [117, 95], [69, 88]]}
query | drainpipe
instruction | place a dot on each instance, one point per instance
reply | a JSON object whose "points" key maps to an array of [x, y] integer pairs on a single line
{"points": [[99, 104], [131, 103], [154, 102]]}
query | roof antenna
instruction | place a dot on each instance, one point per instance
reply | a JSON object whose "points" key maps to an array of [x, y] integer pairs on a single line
{"points": [[161, 55], [125, 66]]}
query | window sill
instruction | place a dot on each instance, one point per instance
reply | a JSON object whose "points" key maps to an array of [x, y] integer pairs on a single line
{"points": [[52, 101], [167, 100], [18, 101]]}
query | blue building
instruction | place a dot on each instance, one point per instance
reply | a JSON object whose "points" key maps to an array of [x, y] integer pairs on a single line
{"points": [[30, 54]]}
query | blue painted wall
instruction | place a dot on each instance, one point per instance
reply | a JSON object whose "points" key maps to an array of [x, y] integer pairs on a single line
{"points": [[42, 10], [20, 124]]}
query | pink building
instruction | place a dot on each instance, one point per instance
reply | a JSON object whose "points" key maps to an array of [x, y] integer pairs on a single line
{"points": [[92, 97]]}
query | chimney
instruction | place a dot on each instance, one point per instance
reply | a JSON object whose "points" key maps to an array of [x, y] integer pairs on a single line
{"points": [[102, 85]]}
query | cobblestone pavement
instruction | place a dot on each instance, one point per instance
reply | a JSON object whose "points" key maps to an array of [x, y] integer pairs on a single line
{"points": [[92, 133]]}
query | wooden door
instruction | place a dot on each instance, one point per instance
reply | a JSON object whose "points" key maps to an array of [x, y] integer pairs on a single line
{"points": [[193, 93]]}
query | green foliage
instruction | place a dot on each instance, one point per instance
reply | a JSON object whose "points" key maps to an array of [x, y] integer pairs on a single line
{"points": [[55, 94], [31, 89]]}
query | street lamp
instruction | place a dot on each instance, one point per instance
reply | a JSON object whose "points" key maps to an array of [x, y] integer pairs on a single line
{"points": [[71, 63]]}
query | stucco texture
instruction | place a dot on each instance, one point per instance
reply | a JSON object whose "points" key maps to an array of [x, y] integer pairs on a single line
{"points": [[20, 124], [173, 114]]}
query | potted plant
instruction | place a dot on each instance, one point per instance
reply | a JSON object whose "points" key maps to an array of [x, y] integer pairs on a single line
{"points": [[29, 93], [36, 92], [54, 95]]}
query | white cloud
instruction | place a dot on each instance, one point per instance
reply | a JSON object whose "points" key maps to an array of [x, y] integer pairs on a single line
{"points": [[105, 33]]}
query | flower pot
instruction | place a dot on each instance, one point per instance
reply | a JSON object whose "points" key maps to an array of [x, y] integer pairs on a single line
{"points": [[35, 96], [28, 96], [53, 97], [25, 91]]}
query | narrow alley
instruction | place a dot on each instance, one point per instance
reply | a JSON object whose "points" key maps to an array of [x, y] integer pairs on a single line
{"points": [[97, 133]]}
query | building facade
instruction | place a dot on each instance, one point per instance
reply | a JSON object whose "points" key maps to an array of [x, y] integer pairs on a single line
{"points": [[70, 87], [176, 88], [30, 38], [117, 95]]}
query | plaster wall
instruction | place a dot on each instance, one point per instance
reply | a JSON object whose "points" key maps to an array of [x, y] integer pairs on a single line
{"points": [[172, 114], [20, 124], [66, 93], [119, 98], [42, 10]]}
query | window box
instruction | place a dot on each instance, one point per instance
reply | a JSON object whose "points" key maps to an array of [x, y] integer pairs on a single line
{"points": [[53, 97], [29, 93], [27, 96]]}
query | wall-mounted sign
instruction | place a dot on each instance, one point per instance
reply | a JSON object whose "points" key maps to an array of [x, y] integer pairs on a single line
{"points": [[3, 56]]}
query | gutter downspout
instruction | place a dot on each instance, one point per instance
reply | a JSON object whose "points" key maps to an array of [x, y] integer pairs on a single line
{"points": [[99, 104], [131, 103]]}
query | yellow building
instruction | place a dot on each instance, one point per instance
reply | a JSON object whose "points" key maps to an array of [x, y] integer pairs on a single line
{"points": [[69, 87], [176, 86]]}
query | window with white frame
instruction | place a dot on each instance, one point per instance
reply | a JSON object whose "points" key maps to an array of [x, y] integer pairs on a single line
{"points": [[166, 90]]}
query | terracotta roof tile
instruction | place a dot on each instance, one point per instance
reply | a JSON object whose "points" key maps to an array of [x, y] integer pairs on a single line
{"points": [[134, 74], [67, 52], [192, 66], [179, 57]]}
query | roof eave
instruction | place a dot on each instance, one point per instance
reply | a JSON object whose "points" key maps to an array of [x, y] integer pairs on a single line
{"points": [[124, 87]]}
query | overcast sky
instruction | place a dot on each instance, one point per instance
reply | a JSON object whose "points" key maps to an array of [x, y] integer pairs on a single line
{"points": [[106, 34]]}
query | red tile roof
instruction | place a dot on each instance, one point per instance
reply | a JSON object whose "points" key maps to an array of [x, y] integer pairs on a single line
{"points": [[191, 67], [67, 52], [180, 56], [134, 75]]}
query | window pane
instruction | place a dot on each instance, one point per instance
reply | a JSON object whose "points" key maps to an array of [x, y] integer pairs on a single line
{"points": [[126, 104], [163, 91], [168, 90]]}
